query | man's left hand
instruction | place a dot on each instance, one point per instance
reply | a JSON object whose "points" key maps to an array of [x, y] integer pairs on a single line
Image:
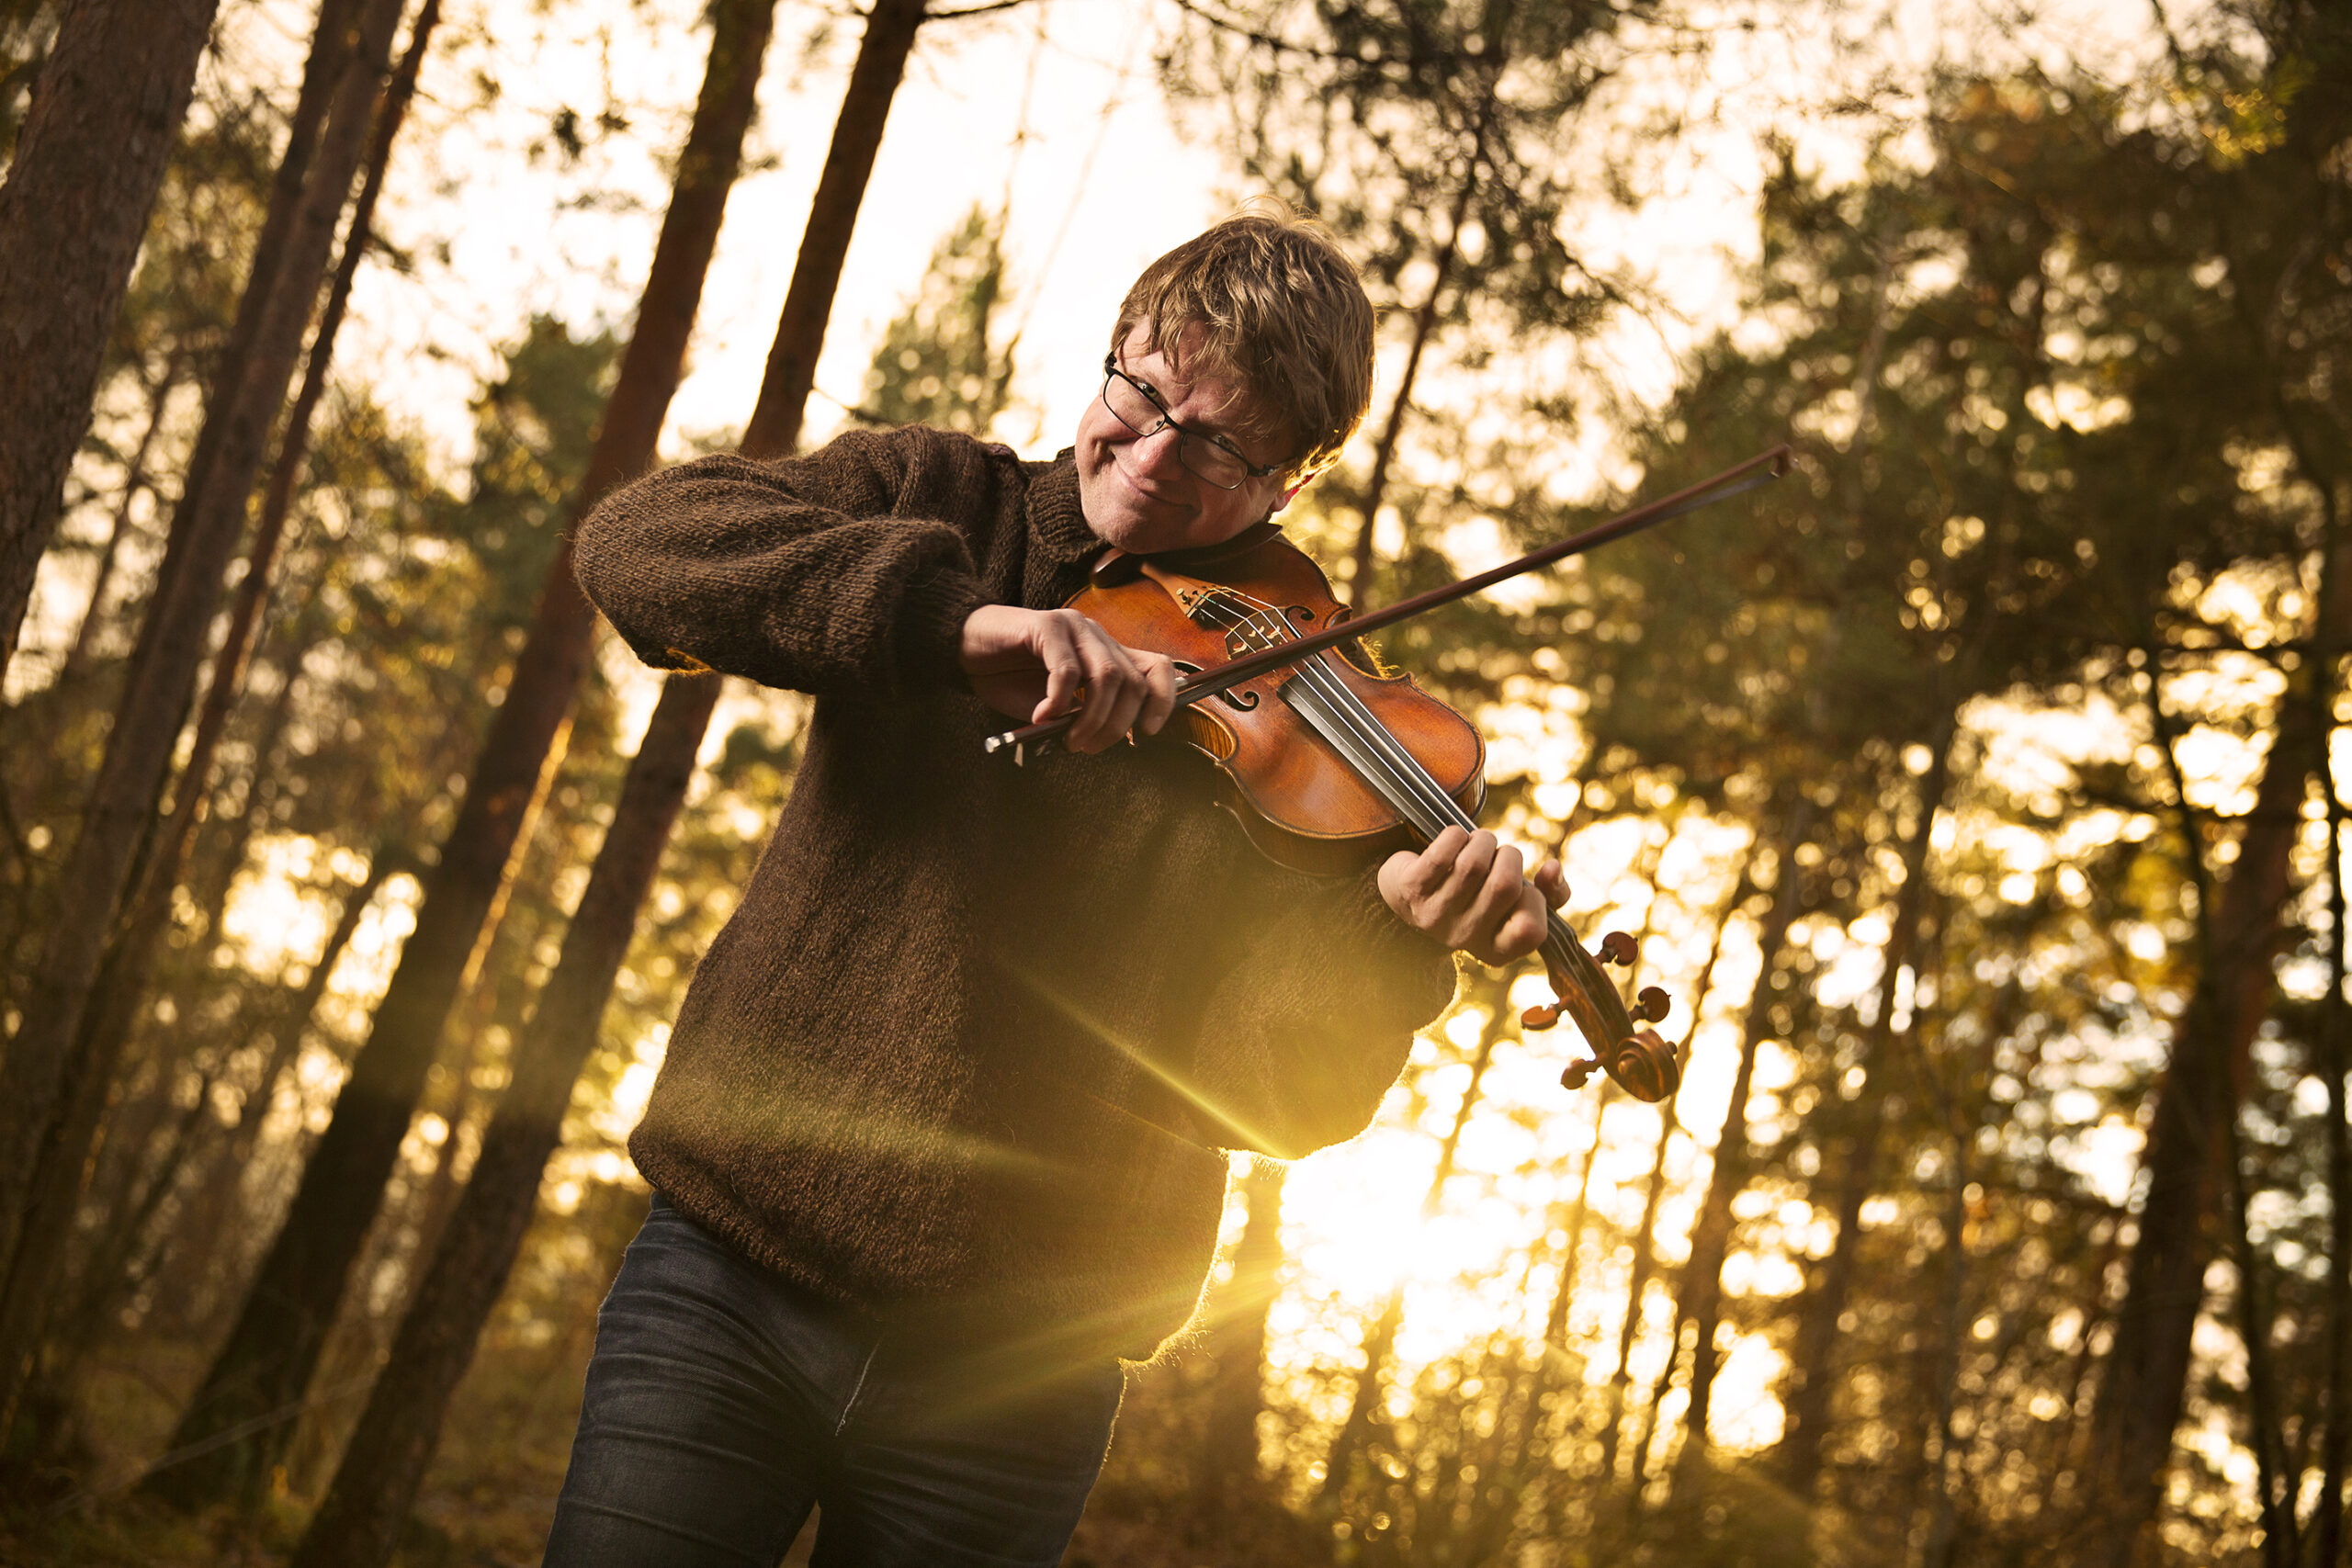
{"points": [[1468, 891]]}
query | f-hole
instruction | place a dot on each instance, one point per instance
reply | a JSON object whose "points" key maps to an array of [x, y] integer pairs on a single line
{"points": [[1245, 700]]}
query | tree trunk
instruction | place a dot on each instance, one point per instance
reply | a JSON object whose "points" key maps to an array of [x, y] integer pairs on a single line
{"points": [[2277, 1477], [125, 971], [228, 670], [105, 115], [2144, 1380], [1555, 1320], [1811, 1379], [1645, 1239], [275, 1345], [333, 40], [1424, 326], [775, 426], [1637, 1479], [135, 479], [2326, 1528], [1936, 1550], [44, 1061], [1229, 1465], [202, 1217], [359, 1519], [1700, 1297], [1363, 1406], [39, 736]]}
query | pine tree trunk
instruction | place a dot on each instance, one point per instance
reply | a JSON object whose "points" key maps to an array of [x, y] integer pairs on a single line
{"points": [[2326, 1529], [333, 38], [1645, 1238], [125, 971], [228, 665], [1637, 1282], [202, 1216], [44, 1061], [1383, 453], [2277, 1476], [1811, 1378], [2143, 1384], [775, 427], [385, 1462], [105, 115], [1363, 1406], [274, 1347], [359, 1519], [1701, 1303], [1945, 1478], [196, 1246], [1230, 1465], [1637, 1480], [135, 479], [1556, 1318]]}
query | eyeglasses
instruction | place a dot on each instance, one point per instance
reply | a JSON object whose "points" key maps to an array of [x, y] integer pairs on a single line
{"points": [[1208, 457]]}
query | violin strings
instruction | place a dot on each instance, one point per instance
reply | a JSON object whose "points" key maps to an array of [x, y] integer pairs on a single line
{"points": [[1407, 784]]}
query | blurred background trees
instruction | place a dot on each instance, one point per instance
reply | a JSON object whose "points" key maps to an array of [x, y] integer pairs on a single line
{"points": [[1974, 791]]}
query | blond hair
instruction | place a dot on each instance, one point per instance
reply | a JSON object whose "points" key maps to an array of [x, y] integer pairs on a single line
{"points": [[1279, 308]]}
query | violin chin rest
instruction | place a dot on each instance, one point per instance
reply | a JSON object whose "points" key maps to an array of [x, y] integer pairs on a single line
{"points": [[1115, 567]]}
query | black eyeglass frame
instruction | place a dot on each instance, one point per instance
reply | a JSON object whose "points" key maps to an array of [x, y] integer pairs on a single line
{"points": [[1184, 432]]}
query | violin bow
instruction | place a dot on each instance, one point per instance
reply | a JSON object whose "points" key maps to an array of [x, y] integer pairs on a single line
{"points": [[1761, 469]]}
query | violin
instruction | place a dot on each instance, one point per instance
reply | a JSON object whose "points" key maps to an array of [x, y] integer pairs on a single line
{"points": [[1327, 763]]}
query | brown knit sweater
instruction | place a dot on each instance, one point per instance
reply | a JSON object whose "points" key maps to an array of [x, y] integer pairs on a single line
{"points": [[966, 1050]]}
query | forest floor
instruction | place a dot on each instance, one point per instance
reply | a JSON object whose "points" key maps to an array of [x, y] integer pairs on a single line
{"points": [[491, 1494]]}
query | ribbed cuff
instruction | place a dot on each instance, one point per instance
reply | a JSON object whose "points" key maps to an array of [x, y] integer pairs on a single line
{"points": [[932, 618], [1423, 968]]}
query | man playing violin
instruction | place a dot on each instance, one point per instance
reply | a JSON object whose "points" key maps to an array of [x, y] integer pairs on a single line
{"points": [[941, 1135]]}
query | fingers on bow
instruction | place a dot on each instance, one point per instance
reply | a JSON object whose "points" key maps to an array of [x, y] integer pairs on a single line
{"points": [[1114, 689]]}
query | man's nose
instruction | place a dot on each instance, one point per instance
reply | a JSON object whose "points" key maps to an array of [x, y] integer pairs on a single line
{"points": [[1161, 450]]}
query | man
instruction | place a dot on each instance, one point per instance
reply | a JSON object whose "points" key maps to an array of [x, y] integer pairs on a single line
{"points": [[940, 1133]]}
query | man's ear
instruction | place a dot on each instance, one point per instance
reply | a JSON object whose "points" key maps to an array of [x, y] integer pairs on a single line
{"points": [[1287, 495]]}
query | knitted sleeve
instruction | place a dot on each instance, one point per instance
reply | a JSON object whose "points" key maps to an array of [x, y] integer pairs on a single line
{"points": [[846, 571], [1304, 1037]]}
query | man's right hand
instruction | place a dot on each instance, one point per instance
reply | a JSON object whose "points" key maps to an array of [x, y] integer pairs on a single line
{"points": [[1040, 664]]}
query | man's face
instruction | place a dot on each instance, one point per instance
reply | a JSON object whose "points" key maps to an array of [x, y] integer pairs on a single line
{"points": [[1135, 492]]}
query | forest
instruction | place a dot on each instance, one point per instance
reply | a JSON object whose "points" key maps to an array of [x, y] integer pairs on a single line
{"points": [[1971, 791]]}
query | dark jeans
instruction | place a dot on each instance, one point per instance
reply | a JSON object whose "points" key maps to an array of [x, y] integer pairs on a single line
{"points": [[723, 1405]]}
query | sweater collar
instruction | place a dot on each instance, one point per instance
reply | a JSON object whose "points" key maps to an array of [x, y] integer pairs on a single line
{"points": [[1061, 546], [1057, 523]]}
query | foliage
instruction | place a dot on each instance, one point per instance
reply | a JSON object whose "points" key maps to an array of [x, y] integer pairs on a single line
{"points": [[937, 364]]}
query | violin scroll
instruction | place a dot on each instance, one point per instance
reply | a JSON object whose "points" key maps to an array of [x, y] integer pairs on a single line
{"points": [[1641, 1061], [1645, 1067]]}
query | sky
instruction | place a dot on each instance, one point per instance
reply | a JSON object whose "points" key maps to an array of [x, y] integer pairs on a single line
{"points": [[1050, 110]]}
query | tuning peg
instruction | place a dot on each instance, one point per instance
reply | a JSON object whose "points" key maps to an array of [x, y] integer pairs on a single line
{"points": [[1577, 1074], [1539, 1018], [1618, 947], [1652, 1005]]}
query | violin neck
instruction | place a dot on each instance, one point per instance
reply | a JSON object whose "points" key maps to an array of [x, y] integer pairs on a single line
{"points": [[1558, 940]]}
